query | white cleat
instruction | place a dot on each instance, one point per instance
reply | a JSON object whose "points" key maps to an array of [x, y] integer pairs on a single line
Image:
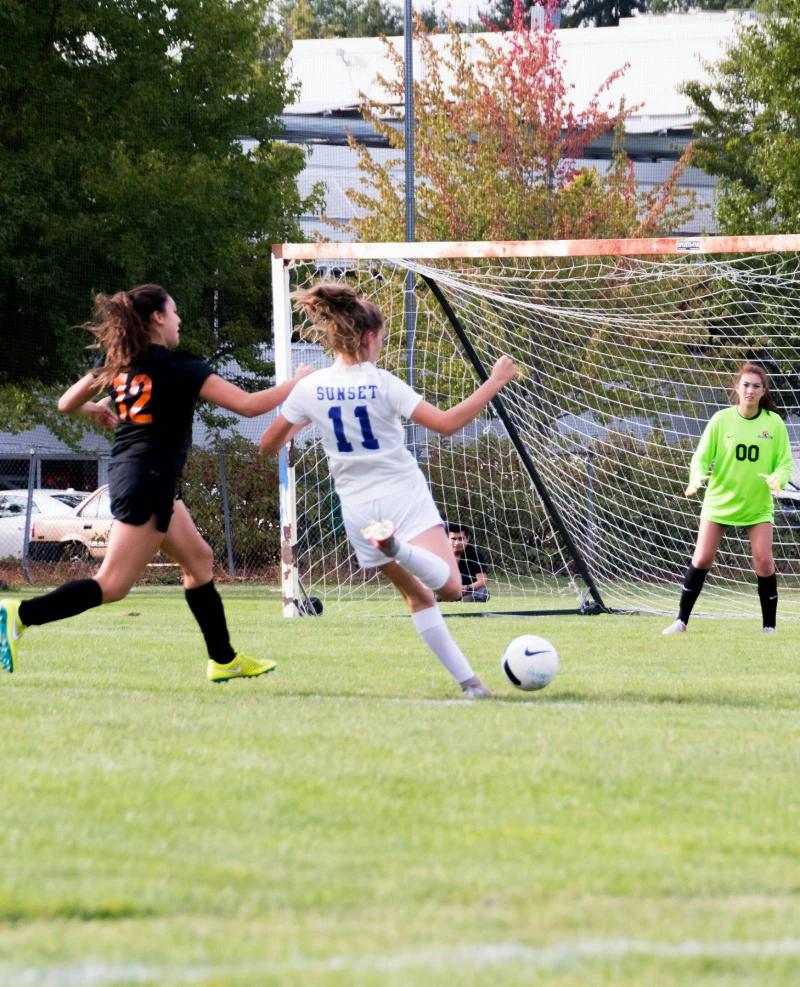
{"points": [[475, 689], [768, 630], [676, 627], [381, 535]]}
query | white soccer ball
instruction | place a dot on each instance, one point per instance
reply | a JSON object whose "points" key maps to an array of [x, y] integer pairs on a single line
{"points": [[530, 662]]}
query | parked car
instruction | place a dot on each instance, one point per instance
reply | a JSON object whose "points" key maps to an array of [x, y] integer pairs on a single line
{"points": [[80, 534], [14, 508]]}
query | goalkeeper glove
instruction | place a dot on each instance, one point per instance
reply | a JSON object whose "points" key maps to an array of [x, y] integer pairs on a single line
{"points": [[695, 483], [772, 481]]}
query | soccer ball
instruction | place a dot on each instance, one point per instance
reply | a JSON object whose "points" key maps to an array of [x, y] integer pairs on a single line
{"points": [[530, 662]]}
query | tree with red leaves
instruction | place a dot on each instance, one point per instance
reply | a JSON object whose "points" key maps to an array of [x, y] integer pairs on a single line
{"points": [[499, 143]]}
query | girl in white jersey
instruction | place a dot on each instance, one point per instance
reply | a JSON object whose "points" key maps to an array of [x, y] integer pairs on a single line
{"points": [[387, 507]]}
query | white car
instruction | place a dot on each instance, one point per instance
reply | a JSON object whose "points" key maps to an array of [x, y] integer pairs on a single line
{"points": [[13, 512], [78, 535]]}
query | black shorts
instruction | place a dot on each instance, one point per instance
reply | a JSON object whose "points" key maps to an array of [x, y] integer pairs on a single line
{"points": [[138, 491]]}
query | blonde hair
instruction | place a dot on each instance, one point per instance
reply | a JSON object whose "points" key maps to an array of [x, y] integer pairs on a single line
{"points": [[339, 316], [121, 326]]}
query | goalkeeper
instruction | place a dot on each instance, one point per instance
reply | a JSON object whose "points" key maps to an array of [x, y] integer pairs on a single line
{"points": [[746, 449]]}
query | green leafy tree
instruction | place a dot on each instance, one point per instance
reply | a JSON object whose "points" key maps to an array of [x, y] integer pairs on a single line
{"points": [[575, 13], [341, 18], [749, 125], [122, 161], [601, 13], [680, 6]]}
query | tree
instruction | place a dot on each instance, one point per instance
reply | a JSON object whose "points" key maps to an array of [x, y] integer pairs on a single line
{"points": [[497, 150], [749, 125], [575, 13], [680, 6], [601, 13], [122, 160], [341, 18]]}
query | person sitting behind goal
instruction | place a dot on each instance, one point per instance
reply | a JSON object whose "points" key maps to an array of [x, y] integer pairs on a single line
{"points": [[470, 564]]}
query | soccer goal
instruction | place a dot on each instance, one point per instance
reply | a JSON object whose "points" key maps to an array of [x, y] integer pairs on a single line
{"points": [[572, 483]]}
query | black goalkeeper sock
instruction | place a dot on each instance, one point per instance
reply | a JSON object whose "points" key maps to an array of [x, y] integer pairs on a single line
{"points": [[692, 584], [206, 606], [66, 601], [768, 595]]}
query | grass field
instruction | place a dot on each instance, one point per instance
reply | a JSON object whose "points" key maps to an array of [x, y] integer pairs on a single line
{"points": [[349, 820]]}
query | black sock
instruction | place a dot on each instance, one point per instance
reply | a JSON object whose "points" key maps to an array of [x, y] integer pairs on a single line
{"points": [[66, 601], [768, 595], [206, 606], [692, 584]]}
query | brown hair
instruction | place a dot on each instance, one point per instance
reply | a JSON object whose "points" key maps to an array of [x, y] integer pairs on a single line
{"points": [[767, 401], [121, 326], [339, 316]]}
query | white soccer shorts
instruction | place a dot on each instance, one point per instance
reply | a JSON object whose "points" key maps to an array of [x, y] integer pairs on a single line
{"points": [[412, 509]]}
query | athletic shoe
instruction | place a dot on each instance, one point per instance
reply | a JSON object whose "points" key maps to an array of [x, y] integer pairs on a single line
{"points": [[381, 535], [242, 667], [677, 627], [769, 630], [11, 630], [475, 689]]}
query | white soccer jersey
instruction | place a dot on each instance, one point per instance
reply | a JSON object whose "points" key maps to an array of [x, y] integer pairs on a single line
{"points": [[358, 409]]}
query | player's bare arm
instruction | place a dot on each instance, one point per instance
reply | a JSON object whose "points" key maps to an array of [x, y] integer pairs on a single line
{"points": [[450, 421], [226, 395], [78, 401], [278, 434]]}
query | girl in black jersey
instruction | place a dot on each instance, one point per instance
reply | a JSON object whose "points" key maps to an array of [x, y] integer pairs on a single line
{"points": [[153, 391]]}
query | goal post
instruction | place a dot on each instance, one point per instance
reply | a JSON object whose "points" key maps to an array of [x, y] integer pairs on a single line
{"points": [[572, 482]]}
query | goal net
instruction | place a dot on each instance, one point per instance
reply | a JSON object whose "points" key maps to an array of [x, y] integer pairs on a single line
{"points": [[572, 483]]}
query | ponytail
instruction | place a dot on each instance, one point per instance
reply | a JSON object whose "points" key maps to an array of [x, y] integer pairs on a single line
{"points": [[121, 326], [339, 316]]}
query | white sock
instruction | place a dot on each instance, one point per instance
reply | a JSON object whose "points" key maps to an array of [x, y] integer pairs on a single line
{"points": [[429, 569], [432, 629]]}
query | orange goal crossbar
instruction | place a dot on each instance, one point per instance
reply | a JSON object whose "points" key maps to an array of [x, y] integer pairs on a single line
{"points": [[644, 246]]}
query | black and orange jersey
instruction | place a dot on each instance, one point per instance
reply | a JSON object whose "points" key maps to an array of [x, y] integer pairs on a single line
{"points": [[154, 401]]}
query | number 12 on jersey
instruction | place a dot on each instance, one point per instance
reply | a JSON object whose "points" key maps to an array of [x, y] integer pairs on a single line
{"points": [[368, 440]]}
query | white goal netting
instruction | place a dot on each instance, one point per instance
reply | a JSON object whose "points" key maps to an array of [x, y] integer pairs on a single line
{"points": [[573, 489]]}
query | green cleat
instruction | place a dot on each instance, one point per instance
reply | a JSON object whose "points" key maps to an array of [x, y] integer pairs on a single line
{"points": [[242, 666], [11, 630]]}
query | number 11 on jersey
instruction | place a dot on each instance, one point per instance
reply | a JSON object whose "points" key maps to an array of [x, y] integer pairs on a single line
{"points": [[368, 440]]}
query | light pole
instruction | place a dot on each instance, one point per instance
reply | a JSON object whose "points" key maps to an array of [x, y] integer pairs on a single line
{"points": [[410, 297]]}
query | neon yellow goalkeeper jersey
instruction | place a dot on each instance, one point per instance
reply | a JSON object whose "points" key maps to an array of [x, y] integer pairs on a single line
{"points": [[737, 449]]}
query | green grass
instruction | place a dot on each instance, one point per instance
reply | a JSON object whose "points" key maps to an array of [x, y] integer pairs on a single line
{"points": [[349, 820]]}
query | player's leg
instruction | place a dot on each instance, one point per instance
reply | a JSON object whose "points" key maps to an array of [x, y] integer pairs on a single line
{"points": [[709, 538], [130, 548], [431, 627], [428, 567], [410, 531], [764, 566], [185, 545], [437, 542]]}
